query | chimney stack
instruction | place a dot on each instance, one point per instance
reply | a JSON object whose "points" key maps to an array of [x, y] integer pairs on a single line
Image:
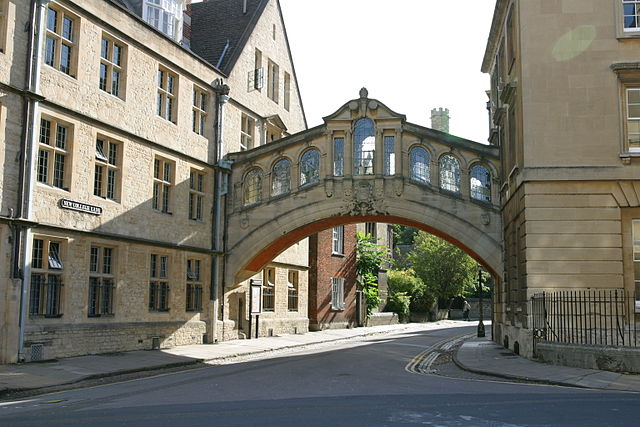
{"points": [[440, 119]]}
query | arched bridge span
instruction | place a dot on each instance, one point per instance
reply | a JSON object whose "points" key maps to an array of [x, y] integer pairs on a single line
{"points": [[365, 163]]}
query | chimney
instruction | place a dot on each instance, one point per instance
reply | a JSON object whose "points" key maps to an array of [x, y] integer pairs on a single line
{"points": [[440, 119], [186, 25]]}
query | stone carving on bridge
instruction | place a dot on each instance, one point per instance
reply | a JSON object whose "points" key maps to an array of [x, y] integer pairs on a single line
{"points": [[398, 186], [486, 218], [328, 187], [364, 202], [244, 221]]}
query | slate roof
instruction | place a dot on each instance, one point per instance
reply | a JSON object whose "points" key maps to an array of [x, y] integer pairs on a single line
{"points": [[216, 22]]}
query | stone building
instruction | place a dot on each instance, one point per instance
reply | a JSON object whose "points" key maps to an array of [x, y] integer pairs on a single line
{"points": [[113, 126], [565, 90]]}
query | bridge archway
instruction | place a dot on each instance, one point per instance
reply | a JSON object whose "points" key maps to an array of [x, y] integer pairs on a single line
{"points": [[392, 172]]}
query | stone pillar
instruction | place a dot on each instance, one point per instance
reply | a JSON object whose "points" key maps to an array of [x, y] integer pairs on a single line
{"points": [[348, 153], [378, 155], [397, 151]]}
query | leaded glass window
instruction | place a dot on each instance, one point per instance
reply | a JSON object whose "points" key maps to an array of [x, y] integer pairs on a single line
{"points": [[364, 147], [450, 174], [310, 167], [338, 156], [480, 183], [252, 187], [389, 156], [281, 177], [419, 165]]}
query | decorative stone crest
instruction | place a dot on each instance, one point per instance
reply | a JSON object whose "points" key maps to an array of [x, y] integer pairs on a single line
{"points": [[364, 93], [244, 221], [486, 218], [398, 186], [364, 202]]}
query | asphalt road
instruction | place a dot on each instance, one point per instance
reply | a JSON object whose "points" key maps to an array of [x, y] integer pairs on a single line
{"points": [[364, 383]]}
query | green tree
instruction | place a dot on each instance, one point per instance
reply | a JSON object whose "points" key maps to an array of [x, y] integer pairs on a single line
{"points": [[404, 283], [445, 269], [370, 258], [403, 234]]}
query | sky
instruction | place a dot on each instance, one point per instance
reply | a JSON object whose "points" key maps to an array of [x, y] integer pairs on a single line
{"points": [[411, 55]]}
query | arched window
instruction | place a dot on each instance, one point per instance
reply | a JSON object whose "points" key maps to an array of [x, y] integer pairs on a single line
{"points": [[310, 167], [450, 173], [480, 183], [252, 187], [419, 160], [364, 147], [281, 177]]}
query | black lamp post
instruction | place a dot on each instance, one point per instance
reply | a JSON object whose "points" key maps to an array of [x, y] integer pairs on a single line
{"points": [[480, 323]]}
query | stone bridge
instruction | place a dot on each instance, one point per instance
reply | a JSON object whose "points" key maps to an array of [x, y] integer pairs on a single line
{"points": [[366, 163]]}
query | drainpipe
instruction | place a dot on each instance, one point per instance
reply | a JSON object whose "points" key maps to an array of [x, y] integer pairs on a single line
{"points": [[30, 145], [222, 97]]}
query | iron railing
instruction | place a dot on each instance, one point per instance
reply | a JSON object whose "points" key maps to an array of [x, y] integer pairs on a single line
{"points": [[590, 317]]}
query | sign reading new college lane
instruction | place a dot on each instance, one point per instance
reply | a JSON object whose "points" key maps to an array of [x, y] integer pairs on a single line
{"points": [[80, 207]]}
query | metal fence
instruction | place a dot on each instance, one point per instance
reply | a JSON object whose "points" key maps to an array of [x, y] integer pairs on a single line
{"points": [[603, 318]]}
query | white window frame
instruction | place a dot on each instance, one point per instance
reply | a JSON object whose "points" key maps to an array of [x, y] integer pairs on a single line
{"points": [[635, 148], [621, 17], [247, 132], [166, 20], [337, 240], [337, 293]]}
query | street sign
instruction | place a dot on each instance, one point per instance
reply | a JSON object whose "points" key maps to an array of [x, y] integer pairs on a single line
{"points": [[256, 296]]}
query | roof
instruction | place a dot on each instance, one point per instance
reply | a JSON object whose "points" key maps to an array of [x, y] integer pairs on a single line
{"points": [[220, 29]]}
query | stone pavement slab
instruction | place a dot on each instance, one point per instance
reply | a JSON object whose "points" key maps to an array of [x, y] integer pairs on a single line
{"points": [[483, 356]]}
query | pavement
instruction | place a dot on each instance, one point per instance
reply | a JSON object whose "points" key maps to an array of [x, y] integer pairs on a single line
{"points": [[478, 355]]}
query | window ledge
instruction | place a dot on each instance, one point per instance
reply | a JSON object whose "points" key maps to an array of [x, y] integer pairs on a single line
{"points": [[337, 254], [51, 187], [111, 96], [70, 76], [626, 157], [628, 35]]}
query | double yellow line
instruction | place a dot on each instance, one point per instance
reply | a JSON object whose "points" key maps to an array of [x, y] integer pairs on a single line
{"points": [[421, 363]]}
